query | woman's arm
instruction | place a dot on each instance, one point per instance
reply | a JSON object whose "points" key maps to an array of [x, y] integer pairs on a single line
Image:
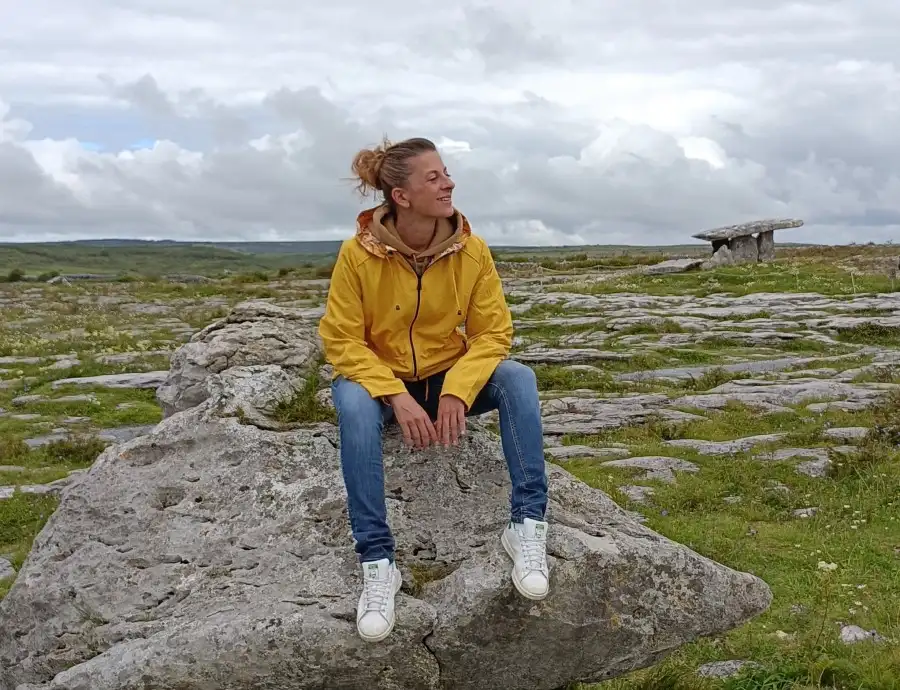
{"points": [[489, 331], [342, 330]]}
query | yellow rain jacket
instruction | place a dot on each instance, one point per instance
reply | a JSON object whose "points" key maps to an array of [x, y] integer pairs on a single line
{"points": [[394, 315]]}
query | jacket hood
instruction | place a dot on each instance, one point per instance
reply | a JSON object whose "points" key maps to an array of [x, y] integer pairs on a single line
{"points": [[376, 232]]}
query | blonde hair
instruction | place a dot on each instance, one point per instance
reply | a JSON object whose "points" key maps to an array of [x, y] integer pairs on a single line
{"points": [[386, 167]]}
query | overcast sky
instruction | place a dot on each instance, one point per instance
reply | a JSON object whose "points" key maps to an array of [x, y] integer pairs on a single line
{"points": [[563, 122]]}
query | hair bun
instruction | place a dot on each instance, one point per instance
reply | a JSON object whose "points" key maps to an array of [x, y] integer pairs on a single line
{"points": [[367, 167]]}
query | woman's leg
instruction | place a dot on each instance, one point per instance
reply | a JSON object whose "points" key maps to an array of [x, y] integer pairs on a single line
{"points": [[361, 422], [512, 391]]}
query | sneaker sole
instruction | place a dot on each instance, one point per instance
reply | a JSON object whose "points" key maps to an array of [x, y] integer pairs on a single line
{"points": [[378, 638], [524, 592]]}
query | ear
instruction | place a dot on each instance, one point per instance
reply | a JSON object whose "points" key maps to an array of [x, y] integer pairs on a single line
{"points": [[400, 197]]}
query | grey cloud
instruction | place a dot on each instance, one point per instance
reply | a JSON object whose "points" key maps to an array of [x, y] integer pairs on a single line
{"points": [[507, 40], [564, 105], [643, 187], [143, 94]]}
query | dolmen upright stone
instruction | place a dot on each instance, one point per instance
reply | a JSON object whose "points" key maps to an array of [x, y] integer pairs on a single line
{"points": [[746, 242], [215, 552]]}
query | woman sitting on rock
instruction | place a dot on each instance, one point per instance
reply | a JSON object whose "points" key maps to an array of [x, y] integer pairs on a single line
{"points": [[401, 290]]}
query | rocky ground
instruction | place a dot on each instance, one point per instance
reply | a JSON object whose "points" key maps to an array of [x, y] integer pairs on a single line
{"points": [[749, 413]]}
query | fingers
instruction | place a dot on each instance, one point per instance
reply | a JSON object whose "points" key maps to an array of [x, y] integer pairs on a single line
{"points": [[453, 423], [428, 434], [411, 434], [444, 431]]}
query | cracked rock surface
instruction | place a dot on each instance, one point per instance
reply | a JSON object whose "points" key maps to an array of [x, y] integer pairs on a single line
{"points": [[254, 333], [215, 554]]}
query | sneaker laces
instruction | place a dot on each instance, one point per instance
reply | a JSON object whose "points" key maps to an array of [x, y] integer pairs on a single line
{"points": [[377, 594], [534, 552]]}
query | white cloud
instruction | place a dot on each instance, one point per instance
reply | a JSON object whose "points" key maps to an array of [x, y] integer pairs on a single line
{"points": [[562, 122]]}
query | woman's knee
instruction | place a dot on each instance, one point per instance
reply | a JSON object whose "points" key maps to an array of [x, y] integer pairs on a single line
{"points": [[354, 403], [512, 374]]}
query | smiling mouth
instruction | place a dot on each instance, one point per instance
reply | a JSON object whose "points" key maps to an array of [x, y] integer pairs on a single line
{"points": [[444, 199]]}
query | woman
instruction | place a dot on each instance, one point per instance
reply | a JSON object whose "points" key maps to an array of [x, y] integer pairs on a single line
{"points": [[391, 331]]}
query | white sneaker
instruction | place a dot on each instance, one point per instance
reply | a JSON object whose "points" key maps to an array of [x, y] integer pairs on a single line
{"points": [[375, 611], [526, 544]]}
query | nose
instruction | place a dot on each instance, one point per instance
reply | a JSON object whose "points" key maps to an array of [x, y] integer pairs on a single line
{"points": [[448, 183]]}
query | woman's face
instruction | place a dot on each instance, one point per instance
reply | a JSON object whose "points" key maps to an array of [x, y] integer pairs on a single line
{"points": [[429, 189]]}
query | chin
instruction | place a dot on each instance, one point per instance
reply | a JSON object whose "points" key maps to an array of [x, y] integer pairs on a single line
{"points": [[444, 210]]}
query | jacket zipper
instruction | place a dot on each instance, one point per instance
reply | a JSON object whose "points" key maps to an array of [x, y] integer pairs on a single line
{"points": [[416, 315], [413, 323]]}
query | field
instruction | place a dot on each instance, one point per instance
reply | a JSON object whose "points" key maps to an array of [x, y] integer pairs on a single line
{"points": [[765, 431]]}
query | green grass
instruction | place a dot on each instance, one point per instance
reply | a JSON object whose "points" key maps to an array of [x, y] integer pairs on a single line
{"points": [[654, 326], [21, 518], [23, 515], [556, 378], [857, 527], [149, 260], [871, 334], [304, 407], [779, 276]]}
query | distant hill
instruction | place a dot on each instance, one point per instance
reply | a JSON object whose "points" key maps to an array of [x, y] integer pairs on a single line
{"points": [[160, 257], [317, 248]]}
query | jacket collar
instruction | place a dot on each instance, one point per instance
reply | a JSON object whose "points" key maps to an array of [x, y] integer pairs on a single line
{"points": [[375, 246]]}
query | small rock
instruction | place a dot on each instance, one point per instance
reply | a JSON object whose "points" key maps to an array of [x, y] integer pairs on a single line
{"points": [[568, 452], [127, 357], [814, 468], [39, 441], [123, 434], [30, 399], [637, 493], [552, 355], [673, 266], [725, 669], [64, 364], [6, 569], [851, 634], [805, 512], [147, 379], [724, 447], [733, 500], [657, 466], [20, 400], [847, 433]]}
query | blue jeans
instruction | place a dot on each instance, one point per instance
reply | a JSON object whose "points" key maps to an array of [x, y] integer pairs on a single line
{"points": [[512, 390]]}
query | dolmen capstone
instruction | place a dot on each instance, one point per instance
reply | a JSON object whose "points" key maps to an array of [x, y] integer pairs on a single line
{"points": [[214, 553], [744, 243]]}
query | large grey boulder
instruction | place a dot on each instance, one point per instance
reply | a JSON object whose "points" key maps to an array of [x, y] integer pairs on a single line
{"points": [[214, 554], [253, 333]]}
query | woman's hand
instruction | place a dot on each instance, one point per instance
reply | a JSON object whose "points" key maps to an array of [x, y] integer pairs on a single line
{"points": [[418, 431], [451, 420]]}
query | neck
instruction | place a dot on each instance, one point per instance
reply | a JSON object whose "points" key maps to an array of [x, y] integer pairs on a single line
{"points": [[417, 232]]}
